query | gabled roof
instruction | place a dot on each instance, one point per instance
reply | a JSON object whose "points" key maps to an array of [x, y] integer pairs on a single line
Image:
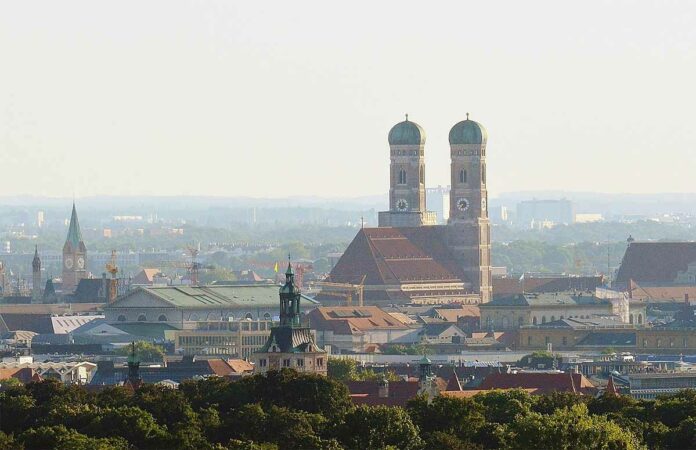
{"points": [[146, 276], [388, 256], [453, 314], [436, 329], [543, 381], [655, 262], [259, 295], [240, 366], [453, 384], [367, 392], [67, 324], [38, 323], [660, 293]]}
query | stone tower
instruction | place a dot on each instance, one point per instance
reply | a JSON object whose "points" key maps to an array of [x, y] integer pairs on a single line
{"points": [[74, 254], [290, 345], [468, 225], [36, 277], [407, 178]]}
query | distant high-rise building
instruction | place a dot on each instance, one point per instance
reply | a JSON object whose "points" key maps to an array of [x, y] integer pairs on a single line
{"points": [[36, 277], [40, 219], [537, 211], [438, 201], [74, 255]]}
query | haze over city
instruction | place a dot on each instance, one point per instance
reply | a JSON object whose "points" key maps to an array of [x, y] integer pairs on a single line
{"points": [[284, 99], [406, 225]]}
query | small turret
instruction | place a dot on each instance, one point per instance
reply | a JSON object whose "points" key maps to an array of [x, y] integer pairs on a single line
{"points": [[134, 379]]}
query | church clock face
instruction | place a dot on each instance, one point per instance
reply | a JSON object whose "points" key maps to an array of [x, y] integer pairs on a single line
{"points": [[68, 263], [462, 204], [401, 205], [483, 204], [80, 263]]}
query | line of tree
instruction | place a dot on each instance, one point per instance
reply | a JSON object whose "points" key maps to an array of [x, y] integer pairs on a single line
{"points": [[289, 410]]}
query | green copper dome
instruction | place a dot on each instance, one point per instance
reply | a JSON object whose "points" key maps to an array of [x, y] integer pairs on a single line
{"points": [[467, 132], [406, 133]]}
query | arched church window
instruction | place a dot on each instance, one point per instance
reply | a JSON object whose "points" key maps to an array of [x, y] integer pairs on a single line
{"points": [[640, 319], [534, 320], [266, 316], [142, 318], [462, 176], [483, 173], [422, 175], [543, 319], [162, 318], [121, 318], [248, 316], [402, 176]]}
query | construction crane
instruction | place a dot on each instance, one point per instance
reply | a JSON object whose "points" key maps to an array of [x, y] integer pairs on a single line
{"points": [[112, 268], [343, 290], [195, 266]]}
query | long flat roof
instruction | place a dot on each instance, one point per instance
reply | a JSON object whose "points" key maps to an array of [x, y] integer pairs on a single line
{"points": [[258, 295]]}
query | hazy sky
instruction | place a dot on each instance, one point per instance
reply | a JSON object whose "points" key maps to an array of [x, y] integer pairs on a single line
{"points": [[249, 98]]}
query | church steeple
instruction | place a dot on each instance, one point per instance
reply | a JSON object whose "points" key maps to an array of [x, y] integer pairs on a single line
{"points": [[74, 238], [74, 255], [36, 294], [134, 379], [290, 300]]}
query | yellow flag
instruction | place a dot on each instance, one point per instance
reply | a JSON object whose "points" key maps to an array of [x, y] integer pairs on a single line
{"points": [[275, 268]]}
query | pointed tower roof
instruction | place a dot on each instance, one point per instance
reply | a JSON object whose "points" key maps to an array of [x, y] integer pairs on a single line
{"points": [[74, 234], [611, 387], [453, 384], [36, 262]]}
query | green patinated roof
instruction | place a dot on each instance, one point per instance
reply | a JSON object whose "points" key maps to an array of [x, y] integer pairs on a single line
{"points": [[467, 132], [406, 133], [74, 234], [263, 295]]}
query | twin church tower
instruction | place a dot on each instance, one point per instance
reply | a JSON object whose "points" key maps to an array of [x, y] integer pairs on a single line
{"points": [[467, 232]]}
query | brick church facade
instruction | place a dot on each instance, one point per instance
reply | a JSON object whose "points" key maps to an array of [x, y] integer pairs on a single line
{"points": [[408, 259]]}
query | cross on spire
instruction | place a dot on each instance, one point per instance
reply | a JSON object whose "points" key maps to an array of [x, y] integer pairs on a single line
{"points": [[406, 117], [467, 116]]}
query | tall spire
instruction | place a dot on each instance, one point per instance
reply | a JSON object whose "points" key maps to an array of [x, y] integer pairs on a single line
{"points": [[74, 234], [36, 262]]}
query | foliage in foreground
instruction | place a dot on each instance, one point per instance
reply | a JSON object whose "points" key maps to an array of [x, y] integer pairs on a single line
{"points": [[297, 411]]}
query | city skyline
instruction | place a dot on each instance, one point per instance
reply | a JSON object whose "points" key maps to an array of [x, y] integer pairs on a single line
{"points": [[225, 100]]}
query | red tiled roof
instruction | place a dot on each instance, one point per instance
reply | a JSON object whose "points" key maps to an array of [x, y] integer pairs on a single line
{"points": [[655, 261], [146, 276], [545, 382], [675, 293], [23, 374], [367, 392], [220, 367], [386, 256], [240, 365], [352, 319], [453, 314]]}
